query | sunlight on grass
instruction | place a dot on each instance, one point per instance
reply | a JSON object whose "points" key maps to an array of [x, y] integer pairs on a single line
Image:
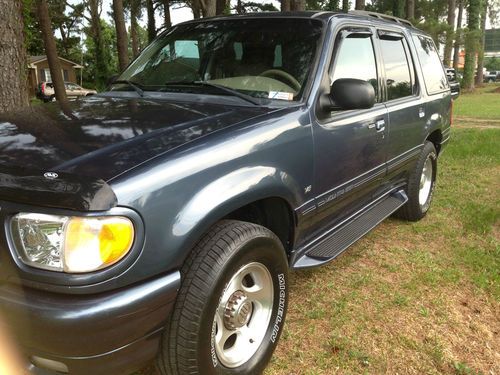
{"points": [[401, 298], [483, 103]]}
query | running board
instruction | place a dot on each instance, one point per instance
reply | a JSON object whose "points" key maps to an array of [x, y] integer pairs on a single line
{"points": [[351, 230]]}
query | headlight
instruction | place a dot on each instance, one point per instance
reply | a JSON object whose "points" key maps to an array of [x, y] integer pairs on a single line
{"points": [[71, 244]]}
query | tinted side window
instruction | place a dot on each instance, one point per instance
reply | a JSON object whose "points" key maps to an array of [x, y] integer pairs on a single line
{"points": [[397, 69], [434, 76], [356, 59]]}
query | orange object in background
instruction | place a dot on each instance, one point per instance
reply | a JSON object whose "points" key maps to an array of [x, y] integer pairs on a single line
{"points": [[10, 360]]}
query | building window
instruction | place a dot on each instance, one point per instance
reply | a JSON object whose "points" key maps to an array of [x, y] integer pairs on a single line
{"points": [[46, 77], [65, 75]]}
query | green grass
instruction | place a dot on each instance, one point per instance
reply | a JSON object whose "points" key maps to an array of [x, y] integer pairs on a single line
{"points": [[410, 297], [35, 101], [483, 103]]}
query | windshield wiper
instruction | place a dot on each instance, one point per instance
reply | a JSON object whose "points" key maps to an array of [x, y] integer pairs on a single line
{"points": [[225, 89], [134, 85]]}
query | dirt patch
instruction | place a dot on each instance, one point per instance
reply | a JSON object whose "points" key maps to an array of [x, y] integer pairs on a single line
{"points": [[476, 126], [472, 120]]}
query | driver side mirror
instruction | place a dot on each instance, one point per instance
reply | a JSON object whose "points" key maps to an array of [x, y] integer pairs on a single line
{"points": [[348, 93]]}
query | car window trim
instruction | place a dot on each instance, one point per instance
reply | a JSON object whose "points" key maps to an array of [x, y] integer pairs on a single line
{"points": [[329, 49], [389, 35], [417, 34], [350, 30], [415, 84]]}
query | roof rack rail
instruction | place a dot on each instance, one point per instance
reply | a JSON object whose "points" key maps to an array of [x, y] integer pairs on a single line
{"points": [[382, 16]]}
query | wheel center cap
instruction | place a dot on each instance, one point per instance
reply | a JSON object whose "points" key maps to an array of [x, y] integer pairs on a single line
{"points": [[238, 310]]}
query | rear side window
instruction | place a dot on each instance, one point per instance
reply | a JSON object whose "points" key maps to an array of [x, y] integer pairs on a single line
{"points": [[434, 76], [397, 69], [356, 59]]}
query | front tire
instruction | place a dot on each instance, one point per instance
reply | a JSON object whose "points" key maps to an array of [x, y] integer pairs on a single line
{"points": [[420, 185], [231, 307]]}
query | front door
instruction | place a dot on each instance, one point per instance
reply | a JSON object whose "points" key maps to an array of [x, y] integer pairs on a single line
{"points": [[349, 145]]}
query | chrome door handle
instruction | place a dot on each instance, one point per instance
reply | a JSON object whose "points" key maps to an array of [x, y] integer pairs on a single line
{"points": [[380, 125]]}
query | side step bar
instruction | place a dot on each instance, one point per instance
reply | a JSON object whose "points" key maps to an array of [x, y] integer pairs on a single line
{"points": [[350, 231]]}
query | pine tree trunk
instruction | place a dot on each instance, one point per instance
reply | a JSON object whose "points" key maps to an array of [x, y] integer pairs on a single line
{"points": [[151, 20], [167, 21], [221, 7], [360, 5], [471, 43], [239, 7], [134, 11], [50, 50], [448, 46], [208, 7], [480, 55], [458, 35], [285, 5], [13, 77], [410, 9], [121, 34], [298, 5], [196, 8], [101, 67]]}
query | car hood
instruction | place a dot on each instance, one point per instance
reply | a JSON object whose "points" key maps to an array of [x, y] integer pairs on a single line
{"points": [[104, 136]]}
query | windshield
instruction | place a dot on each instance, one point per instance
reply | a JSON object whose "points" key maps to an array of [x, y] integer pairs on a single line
{"points": [[263, 58]]}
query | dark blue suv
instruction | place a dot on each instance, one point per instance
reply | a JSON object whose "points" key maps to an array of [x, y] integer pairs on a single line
{"points": [[160, 219]]}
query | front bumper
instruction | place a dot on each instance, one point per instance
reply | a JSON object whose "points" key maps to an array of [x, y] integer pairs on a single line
{"points": [[111, 333]]}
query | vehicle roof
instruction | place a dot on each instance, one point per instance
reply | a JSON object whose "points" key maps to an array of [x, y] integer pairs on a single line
{"points": [[324, 16]]}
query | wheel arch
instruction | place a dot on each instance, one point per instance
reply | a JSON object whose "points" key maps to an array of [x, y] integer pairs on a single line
{"points": [[273, 213], [260, 195], [436, 137]]}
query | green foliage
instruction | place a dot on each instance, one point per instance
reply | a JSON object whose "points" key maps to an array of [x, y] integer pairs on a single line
{"points": [[398, 8], [328, 5], [252, 6], [492, 63], [142, 35], [436, 29], [32, 33], [65, 23], [98, 72], [431, 9]]}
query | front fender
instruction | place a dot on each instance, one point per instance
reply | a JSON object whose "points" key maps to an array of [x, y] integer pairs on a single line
{"points": [[240, 188]]}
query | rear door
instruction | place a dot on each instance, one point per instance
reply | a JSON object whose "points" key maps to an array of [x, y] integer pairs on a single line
{"points": [[435, 88], [404, 102]]}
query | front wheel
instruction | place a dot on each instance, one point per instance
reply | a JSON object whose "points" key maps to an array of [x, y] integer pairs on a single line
{"points": [[421, 185], [231, 307]]}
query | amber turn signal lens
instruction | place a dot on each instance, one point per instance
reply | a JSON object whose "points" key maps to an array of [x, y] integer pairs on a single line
{"points": [[95, 243]]}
